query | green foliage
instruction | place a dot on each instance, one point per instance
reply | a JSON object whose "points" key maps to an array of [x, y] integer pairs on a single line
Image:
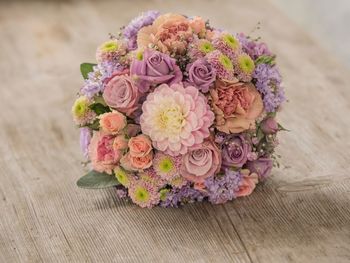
{"points": [[96, 180], [99, 108], [264, 59], [85, 68]]}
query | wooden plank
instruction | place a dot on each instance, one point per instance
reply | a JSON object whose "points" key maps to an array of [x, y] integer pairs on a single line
{"points": [[301, 215]]}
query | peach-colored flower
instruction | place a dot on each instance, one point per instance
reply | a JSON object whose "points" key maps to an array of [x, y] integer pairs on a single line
{"points": [[140, 146], [236, 106], [112, 122], [248, 183], [102, 155], [120, 142], [200, 186], [169, 32], [198, 25], [132, 163]]}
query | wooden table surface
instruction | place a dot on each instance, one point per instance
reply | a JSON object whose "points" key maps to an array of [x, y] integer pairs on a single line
{"points": [[301, 215]]}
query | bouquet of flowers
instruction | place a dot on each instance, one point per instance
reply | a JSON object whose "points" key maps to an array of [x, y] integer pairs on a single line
{"points": [[176, 111]]}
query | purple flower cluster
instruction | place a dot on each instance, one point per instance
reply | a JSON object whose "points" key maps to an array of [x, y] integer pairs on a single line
{"points": [[131, 30], [95, 81], [268, 82], [185, 194], [253, 48], [222, 189], [85, 138]]}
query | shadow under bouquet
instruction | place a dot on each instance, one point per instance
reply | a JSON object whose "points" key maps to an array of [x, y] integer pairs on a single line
{"points": [[176, 111]]}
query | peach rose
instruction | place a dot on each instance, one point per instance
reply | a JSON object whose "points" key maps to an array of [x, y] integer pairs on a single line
{"points": [[248, 183], [131, 163], [169, 32], [112, 122], [120, 142], [140, 146], [236, 106]]}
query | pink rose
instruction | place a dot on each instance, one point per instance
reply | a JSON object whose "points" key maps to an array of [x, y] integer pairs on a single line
{"points": [[131, 163], [112, 122], [122, 94], [102, 155], [140, 146], [120, 142], [248, 183], [201, 161], [269, 125], [236, 106]]}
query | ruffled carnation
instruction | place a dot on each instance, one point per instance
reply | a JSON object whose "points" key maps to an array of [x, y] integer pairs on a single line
{"points": [[236, 106], [176, 118], [170, 33]]}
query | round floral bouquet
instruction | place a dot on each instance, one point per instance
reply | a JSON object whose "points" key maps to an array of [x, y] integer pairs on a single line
{"points": [[176, 111]]}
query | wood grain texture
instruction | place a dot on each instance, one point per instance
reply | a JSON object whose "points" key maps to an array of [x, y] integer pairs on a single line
{"points": [[301, 215]]}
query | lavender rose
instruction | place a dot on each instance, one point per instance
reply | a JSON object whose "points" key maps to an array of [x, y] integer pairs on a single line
{"points": [[201, 74], [261, 166], [201, 162], [235, 150], [122, 94], [269, 126], [154, 68]]}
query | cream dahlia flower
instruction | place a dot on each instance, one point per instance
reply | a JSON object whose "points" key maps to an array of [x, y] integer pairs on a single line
{"points": [[176, 118]]}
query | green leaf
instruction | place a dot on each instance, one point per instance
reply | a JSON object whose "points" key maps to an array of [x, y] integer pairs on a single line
{"points": [[281, 128], [99, 108], [95, 125], [96, 180], [85, 68], [264, 59]]}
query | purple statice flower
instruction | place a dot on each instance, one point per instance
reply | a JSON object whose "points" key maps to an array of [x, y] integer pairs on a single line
{"points": [[121, 192], [253, 48], [268, 83], [131, 30], [95, 81], [85, 138], [222, 189], [185, 194]]}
